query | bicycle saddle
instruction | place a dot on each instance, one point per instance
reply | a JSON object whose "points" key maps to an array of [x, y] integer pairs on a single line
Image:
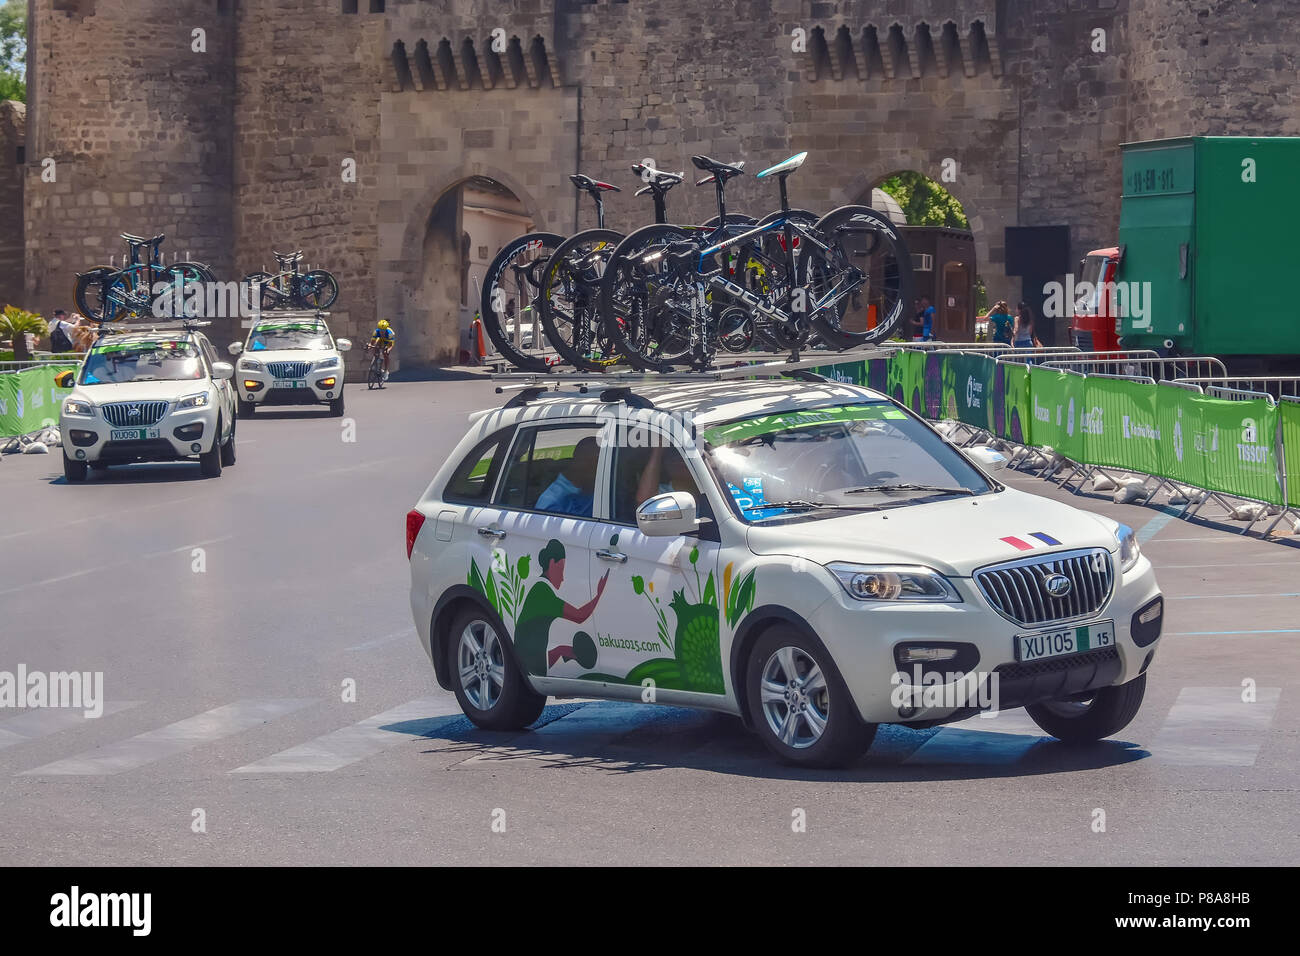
{"points": [[657, 179], [141, 240], [592, 186], [784, 168], [288, 257], [716, 170]]}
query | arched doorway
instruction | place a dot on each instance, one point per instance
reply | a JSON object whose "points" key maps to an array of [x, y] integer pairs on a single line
{"points": [[468, 224], [937, 232]]}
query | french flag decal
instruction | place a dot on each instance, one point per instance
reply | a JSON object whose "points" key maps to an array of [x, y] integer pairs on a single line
{"points": [[1020, 544]]}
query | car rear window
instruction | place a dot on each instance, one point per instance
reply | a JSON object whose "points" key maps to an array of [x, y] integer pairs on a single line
{"points": [[475, 476]]}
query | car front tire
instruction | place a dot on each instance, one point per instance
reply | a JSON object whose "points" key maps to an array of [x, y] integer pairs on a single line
{"points": [[210, 461], [489, 686], [246, 409], [228, 450], [1082, 722], [336, 407], [74, 470], [799, 704]]}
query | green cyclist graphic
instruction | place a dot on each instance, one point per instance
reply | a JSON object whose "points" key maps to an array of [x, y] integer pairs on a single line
{"points": [[541, 607]]}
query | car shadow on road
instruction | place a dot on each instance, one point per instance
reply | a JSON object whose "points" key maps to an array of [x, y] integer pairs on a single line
{"points": [[679, 738], [289, 414], [137, 474]]}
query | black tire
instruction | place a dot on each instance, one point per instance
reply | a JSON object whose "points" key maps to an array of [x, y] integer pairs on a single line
{"points": [[844, 735], [513, 278], [511, 704], [633, 296], [99, 466], [228, 451], [864, 239], [1083, 722], [245, 409], [74, 470], [336, 407], [375, 376], [318, 290], [90, 293], [569, 300], [210, 461]]}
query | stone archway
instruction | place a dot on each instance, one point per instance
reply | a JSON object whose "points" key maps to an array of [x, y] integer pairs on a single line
{"points": [[429, 275]]}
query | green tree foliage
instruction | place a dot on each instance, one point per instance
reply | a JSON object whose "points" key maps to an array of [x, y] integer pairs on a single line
{"points": [[925, 202], [13, 50]]}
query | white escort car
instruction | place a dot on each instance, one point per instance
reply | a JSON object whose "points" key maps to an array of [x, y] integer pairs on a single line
{"points": [[158, 395], [808, 555], [289, 360]]}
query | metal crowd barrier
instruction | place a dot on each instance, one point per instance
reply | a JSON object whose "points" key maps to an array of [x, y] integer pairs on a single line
{"points": [[1192, 367]]}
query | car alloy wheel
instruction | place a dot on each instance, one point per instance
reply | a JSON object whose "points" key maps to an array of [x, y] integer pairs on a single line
{"points": [[480, 664], [795, 697]]}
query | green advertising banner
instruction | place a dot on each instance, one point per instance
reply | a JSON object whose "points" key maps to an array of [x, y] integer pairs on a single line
{"points": [[906, 380], [1057, 413], [1016, 409], [1183, 452], [29, 401], [968, 389], [1241, 457], [1120, 425], [1290, 412]]}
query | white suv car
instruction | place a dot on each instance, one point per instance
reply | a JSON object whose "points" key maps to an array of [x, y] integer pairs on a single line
{"points": [[807, 555], [289, 360], [148, 396]]}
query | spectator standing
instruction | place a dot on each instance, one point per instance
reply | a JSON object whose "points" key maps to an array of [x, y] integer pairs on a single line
{"points": [[61, 331], [1000, 322], [927, 319], [1023, 333]]}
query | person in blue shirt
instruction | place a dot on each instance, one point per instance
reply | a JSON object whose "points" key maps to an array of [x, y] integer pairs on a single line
{"points": [[573, 490], [927, 319]]}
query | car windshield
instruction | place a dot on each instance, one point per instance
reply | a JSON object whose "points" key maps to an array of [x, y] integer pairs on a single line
{"points": [[289, 336], [819, 462], [162, 360]]}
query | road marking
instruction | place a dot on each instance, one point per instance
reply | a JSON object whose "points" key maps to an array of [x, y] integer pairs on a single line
{"points": [[188, 547], [1213, 727], [347, 745], [110, 567], [116, 513], [1235, 564], [41, 723], [953, 744], [153, 745], [386, 639], [1156, 524], [1218, 597]]}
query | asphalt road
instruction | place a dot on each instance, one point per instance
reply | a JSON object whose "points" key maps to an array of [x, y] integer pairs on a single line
{"points": [[224, 695]]}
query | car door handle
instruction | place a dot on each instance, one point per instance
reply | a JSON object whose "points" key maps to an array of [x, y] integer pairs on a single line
{"points": [[492, 533], [616, 556]]}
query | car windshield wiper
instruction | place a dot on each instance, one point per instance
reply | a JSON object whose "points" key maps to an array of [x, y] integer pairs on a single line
{"points": [[906, 486], [805, 504]]}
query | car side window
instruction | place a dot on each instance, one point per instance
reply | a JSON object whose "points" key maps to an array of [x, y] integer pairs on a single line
{"points": [[642, 473], [475, 476], [553, 469]]}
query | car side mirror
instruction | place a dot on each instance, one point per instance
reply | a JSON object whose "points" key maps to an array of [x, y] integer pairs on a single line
{"points": [[223, 371], [990, 459], [668, 515], [234, 348], [343, 344], [65, 379]]}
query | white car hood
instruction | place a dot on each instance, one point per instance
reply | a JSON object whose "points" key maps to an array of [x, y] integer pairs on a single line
{"points": [[288, 355], [954, 535], [143, 391]]}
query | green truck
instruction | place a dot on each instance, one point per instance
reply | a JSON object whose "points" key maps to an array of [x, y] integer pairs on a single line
{"points": [[1207, 250]]}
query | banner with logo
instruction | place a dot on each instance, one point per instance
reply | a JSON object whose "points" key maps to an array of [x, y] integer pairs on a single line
{"points": [[1056, 411], [1120, 425], [1183, 454], [1016, 410], [968, 389], [29, 400], [1290, 415], [1243, 459]]}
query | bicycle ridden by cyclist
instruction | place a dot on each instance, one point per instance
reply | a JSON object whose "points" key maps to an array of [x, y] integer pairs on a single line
{"points": [[383, 338]]}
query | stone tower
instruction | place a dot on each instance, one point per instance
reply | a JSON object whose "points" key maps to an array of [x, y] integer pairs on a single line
{"points": [[129, 125]]}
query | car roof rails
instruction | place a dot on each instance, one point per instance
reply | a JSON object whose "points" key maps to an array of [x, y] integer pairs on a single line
{"points": [[127, 328]]}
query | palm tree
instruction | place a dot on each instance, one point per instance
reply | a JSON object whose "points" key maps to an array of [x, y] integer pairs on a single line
{"points": [[15, 323]]}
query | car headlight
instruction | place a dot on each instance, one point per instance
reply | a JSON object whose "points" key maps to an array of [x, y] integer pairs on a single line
{"points": [[75, 406], [197, 400], [328, 363], [893, 583], [250, 365], [1129, 552]]}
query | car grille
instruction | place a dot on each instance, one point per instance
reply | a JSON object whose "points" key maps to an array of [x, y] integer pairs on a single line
{"points": [[288, 369], [1056, 665], [145, 413], [1017, 590]]}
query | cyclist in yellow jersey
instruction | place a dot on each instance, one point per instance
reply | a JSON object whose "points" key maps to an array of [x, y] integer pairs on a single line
{"points": [[383, 338]]}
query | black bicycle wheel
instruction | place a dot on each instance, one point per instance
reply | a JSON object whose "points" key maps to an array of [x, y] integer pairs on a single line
{"points": [[508, 304], [91, 294], [648, 301], [317, 290], [867, 272], [569, 300]]}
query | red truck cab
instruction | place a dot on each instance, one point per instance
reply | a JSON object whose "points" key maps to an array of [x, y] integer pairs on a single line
{"points": [[1093, 328]]}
